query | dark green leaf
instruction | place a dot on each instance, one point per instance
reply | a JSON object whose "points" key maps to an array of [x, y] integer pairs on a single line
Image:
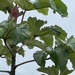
{"points": [[49, 70], [72, 59], [21, 52], [40, 58], [66, 72], [20, 34], [60, 56]]}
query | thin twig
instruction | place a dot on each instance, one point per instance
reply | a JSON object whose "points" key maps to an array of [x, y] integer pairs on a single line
{"points": [[5, 71], [23, 16], [27, 62], [8, 47]]}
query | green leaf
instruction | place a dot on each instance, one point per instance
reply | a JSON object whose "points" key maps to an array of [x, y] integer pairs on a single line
{"points": [[55, 5], [20, 34], [72, 59], [35, 43], [48, 40], [35, 25], [59, 56], [46, 31], [59, 6], [4, 4], [25, 4], [6, 27], [66, 72], [62, 34], [21, 52], [71, 43], [40, 58], [44, 11], [39, 4], [49, 70]]}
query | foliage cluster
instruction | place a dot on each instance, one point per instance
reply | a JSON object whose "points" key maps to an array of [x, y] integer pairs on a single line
{"points": [[53, 41]]}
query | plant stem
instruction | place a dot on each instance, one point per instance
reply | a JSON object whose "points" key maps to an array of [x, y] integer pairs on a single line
{"points": [[13, 65], [5, 71], [23, 16], [27, 62]]}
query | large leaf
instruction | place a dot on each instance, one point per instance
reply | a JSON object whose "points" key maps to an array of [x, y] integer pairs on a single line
{"points": [[55, 5], [43, 5], [20, 34], [49, 70], [71, 43], [25, 4], [35, 25], [60, 56], [40, 58], [4, 4], [72, 59]]}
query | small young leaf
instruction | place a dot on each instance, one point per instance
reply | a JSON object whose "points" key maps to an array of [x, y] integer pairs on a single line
{"points": [[21, 52]]}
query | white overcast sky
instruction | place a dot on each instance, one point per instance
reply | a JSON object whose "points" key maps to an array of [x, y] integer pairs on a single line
{"points": [[66, 23]]}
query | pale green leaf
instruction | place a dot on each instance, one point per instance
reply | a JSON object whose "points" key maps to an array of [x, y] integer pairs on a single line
{"points": [[44, 11], [48, 40]]}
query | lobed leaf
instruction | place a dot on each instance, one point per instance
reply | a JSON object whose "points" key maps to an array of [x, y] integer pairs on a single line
{"points": [[59, 56]]}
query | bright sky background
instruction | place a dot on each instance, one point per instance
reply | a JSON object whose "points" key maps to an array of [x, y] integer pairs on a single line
{"points": [[66, 23]]}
